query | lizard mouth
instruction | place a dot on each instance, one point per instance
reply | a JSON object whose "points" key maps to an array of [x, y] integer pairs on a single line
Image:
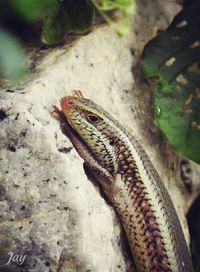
{"points": [[67, 104]]}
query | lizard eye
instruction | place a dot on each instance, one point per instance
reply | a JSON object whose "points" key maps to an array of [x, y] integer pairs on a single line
{"points": [[92, 118]]}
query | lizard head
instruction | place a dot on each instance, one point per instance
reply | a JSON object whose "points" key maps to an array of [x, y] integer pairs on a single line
{"points": [[94, 126]]}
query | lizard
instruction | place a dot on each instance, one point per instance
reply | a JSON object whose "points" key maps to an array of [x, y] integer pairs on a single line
{"points": [[130, 182]]}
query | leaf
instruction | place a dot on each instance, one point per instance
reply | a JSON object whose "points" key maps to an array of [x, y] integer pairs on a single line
{"points": [[174, 57], [12, 56], [31, 10], [59, 17], [64, 17]]}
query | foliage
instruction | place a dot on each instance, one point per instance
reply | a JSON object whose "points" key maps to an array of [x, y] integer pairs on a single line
{"points": [[57, 18], [126, 7], [173, 56], [11, 56]]}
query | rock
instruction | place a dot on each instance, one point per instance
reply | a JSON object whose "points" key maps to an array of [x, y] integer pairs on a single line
{"points": [[51, 212]]}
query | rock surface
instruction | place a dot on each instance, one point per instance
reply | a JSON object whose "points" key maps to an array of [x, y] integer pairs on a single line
{"points": [[50, 212]]}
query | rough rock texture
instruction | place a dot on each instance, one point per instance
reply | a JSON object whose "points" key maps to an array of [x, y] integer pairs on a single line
{"points": [[50, 212]]}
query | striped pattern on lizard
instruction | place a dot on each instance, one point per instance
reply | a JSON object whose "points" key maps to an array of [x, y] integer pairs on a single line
{"points": [[131, 183]]}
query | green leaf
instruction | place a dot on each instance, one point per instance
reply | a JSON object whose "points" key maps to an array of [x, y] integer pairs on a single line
{"points": [[174, 57], [64, 17], [12, 56], [60, 17], [29, 9]]}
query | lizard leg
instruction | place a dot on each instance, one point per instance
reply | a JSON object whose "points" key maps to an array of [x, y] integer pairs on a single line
{"points": [[77, 93]]}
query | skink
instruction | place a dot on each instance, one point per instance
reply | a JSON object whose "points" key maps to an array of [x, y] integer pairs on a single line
{"points": [[130, 182]]}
